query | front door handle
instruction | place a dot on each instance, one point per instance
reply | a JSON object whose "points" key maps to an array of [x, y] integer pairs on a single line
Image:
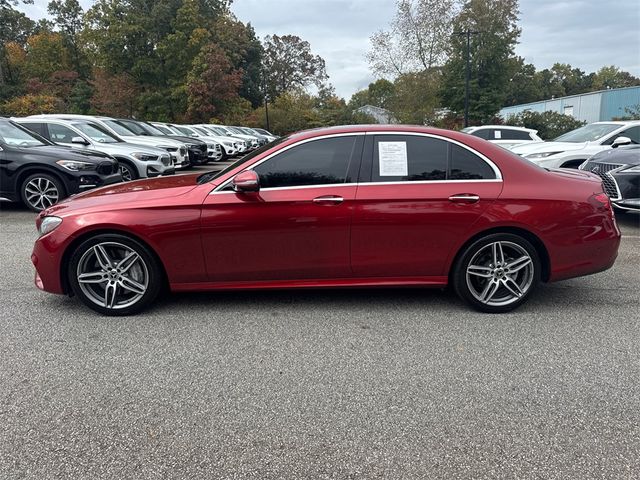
{"points": [[328, 200], [464, 198]]}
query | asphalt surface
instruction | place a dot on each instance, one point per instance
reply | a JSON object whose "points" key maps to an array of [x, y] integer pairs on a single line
{"points": [[320, 384]]}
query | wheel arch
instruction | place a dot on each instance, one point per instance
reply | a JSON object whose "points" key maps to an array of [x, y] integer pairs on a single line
{"points": [[537, 243], [28, 170], [66, 256], [129, 163]]}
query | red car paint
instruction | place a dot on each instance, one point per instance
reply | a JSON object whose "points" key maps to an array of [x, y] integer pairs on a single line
{"points": [[379, 234]]}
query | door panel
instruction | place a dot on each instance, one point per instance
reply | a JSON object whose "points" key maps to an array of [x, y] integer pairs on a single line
{"points": [[408, 224], [278, 234], [411, 228]]}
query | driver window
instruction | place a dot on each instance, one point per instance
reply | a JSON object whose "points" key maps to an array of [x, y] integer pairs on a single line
{"points": [[318, 162]]}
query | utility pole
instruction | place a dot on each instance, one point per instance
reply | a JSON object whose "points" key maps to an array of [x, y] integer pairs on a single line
{"points": [[266, 100], [467, 77]]}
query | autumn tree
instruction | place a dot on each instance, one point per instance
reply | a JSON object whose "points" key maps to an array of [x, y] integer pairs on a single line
{"points": [[212, 84], [113, 94], [417, 40], [289, 64]]}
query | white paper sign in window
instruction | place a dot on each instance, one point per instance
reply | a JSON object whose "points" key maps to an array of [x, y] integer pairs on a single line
{"points": [[393, 159], [498, 134]]}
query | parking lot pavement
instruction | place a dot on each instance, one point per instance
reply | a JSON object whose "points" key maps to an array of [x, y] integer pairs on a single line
{"points": [[321, 384]]}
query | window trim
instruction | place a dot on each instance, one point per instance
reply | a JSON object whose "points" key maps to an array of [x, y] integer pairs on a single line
{"points": [[493, 166], [301, 142]]}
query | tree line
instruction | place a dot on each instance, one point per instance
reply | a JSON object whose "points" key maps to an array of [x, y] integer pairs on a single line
{"points": [[194, 61]]}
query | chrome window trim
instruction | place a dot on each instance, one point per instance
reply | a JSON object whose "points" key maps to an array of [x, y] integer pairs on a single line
{"points": [[271, 155], [494, 167]]}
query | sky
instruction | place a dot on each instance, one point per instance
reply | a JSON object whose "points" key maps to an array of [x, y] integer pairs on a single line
{"points": [[587, 34]]}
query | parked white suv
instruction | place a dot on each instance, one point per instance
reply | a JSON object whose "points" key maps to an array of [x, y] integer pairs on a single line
{"points": [[573, 148], [504, 135], [176, 148], [135, 161]]}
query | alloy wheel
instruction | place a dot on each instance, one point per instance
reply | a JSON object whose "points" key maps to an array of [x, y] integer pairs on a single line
{"points": [[500, 273], [112, 275], [125, 171], [41, 193]]}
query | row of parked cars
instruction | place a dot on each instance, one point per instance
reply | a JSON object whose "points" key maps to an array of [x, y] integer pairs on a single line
{"points": [[610, 150], [44, 158]]}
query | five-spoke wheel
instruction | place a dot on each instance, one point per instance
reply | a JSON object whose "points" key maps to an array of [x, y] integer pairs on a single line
{"points": [[497, 273], [114, 274]]}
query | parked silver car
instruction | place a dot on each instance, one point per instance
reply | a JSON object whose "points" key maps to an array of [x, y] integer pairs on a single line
{"points": [[214, 149], [135, 161]]}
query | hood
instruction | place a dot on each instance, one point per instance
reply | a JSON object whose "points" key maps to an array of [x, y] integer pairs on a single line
{"points": [[58, 152], [626, 155], [129, 148], [542, 147], [123, 195], [158, 142], [185, 139]]}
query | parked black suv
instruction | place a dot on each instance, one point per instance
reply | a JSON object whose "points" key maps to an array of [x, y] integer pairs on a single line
{"points": [[40, 173]]}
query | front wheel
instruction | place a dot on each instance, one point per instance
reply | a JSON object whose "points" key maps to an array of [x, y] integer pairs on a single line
{"points": [[40, 191], [497, 273], [114, 275], [127, 171]]}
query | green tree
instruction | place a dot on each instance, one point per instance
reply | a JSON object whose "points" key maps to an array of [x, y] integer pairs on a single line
{"points": [[68, 17], [613, 77], [492, 52], [289, 64]]}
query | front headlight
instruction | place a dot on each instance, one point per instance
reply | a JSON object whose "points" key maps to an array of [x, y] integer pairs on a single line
{"points": [[49, 224], [76, 166], [144, 157], [541, 155]]}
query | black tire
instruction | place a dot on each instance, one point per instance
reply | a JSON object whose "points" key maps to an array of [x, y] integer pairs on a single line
{"points": [[503, 295], [50, 186], [127, 171], [125, 301], [224, 156]]}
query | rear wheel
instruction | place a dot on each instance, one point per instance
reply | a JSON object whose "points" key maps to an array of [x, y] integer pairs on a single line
{"points": [[40, 191], [497, 273], [115, 275]]}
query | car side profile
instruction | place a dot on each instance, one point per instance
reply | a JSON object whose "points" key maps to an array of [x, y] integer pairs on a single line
{"points": [[356, 206], [38, 173], [571, 149], [504, 135], [135, 161]]}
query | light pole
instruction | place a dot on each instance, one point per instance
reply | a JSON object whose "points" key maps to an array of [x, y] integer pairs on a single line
{"points": [[467, 75], [266, 101]]}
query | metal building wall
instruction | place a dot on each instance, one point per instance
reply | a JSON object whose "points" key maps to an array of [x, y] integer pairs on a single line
{"points": [[588, 107]]}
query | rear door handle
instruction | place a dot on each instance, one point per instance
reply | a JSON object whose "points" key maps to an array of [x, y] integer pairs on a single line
{"points": [[328, 200], [464, 198]]}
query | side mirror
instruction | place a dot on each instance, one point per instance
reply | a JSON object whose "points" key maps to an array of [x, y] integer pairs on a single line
{"points": [[79, 140], [621, 141], [247, 181]]}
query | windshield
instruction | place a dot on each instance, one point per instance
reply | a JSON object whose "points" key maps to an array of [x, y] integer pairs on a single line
{"points": [[219, 131], [96, 133], [207, 177], [134, 127], [118, 128], [263, 131], [588, 133], [186, 131], [200, 130], [151, 129], [467, 129], [233, 130], [11, 134], [164, 129]]}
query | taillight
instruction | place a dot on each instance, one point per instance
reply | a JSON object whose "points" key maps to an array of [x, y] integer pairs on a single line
{"points": [[600, 200]]}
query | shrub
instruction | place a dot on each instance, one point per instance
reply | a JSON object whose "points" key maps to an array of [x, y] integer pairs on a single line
{"points": [[548, 124]]}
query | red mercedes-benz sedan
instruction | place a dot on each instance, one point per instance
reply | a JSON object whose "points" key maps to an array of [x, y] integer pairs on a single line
{"points": [[353, 206]]}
